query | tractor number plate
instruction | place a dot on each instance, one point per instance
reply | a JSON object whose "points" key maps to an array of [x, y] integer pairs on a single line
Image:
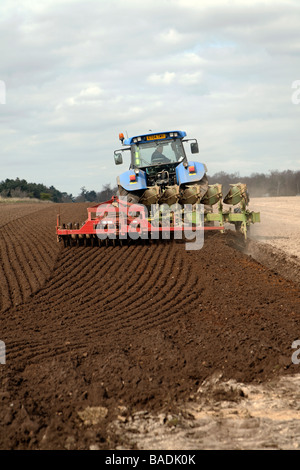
{"points": [[155, 137]]}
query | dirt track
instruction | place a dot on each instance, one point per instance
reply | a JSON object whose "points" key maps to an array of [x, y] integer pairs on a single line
{"points": [[133, 347]]}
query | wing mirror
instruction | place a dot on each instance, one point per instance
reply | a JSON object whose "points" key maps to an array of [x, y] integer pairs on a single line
{"points": [[118, 158], [194, 147]]}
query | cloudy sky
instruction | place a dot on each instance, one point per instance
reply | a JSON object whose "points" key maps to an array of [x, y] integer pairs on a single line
{"points": [[78, 72]]}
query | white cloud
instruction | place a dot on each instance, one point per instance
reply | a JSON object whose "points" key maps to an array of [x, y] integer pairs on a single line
{"points": [[171, 36], [190, 78], [161, 79], [79, 72]]}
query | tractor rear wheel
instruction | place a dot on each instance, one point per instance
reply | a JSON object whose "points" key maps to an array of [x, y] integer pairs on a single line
{"points": [[132, 198]]}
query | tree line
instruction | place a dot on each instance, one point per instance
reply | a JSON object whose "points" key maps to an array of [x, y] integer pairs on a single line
{"points": [[20, 188], [105, 194], [276, 183]]}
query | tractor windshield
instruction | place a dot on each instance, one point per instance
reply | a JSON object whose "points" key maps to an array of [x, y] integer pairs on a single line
{"points": [[156, 153]]}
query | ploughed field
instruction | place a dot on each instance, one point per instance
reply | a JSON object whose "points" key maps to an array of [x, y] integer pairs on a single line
{"points": [[134, 346]]}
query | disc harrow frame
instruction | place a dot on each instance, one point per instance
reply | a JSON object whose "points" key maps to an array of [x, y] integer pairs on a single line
{"points": [[118, 221]]}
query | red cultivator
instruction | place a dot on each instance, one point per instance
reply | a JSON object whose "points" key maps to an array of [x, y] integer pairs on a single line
{"points": [[117, 221]]}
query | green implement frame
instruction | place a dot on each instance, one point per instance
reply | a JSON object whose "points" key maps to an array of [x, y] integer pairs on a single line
{"points": [[237, 196], [241, 217]]}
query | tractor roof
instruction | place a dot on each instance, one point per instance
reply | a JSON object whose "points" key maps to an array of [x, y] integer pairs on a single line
{"points": [[144, 138]]}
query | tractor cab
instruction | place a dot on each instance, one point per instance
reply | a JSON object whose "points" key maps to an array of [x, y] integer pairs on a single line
{"points": [[166, 152], [155, 149]]}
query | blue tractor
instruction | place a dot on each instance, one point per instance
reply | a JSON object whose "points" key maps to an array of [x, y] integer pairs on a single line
{"points": [[160, 175], [160, 172]]}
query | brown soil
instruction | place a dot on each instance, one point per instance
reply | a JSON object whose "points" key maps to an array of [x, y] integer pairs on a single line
{"points": [[95, 336]]}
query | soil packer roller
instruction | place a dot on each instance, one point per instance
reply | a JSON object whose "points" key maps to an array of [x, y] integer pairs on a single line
{"points": [[164, 194]]}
